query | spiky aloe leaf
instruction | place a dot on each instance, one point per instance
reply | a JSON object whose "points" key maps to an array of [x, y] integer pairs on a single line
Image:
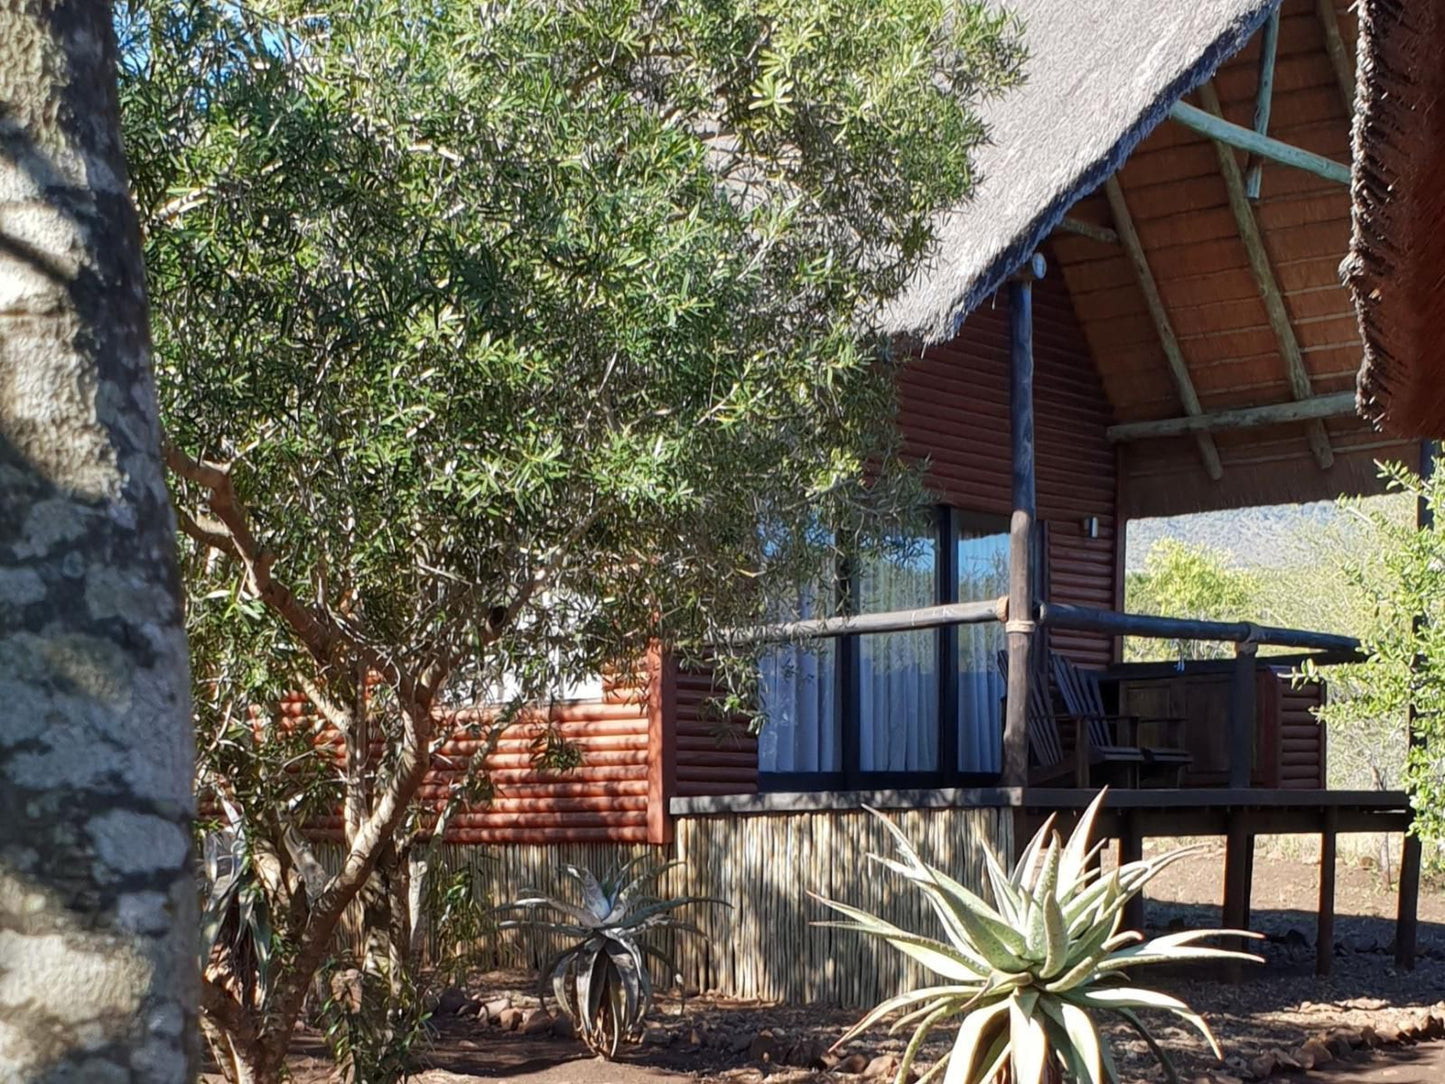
{"points": [[969, 1044], [1027, 1039]]}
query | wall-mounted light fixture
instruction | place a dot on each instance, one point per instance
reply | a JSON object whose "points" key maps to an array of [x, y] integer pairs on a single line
{"points": [[1091, 526]]}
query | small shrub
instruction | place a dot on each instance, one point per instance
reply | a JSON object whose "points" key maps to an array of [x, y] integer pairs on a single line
{"points": [[601, 979], [1026, 977]]}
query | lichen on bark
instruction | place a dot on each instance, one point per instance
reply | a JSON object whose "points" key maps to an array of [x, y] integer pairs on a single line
{"points": [[97, 896]]}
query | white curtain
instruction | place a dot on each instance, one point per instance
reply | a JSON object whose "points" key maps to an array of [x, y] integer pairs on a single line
{"points": [[982, 574], [898, 671], [799, 690]]}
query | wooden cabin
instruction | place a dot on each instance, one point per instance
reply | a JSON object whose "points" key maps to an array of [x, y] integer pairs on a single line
{"points": [[1139, 313]]}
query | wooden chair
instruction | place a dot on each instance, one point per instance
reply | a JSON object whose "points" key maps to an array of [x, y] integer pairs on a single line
{"points": [[1079, 689], [1050, 759]]}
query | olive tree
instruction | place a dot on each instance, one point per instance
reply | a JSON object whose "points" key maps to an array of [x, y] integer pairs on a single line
{"points": [[498, 342]]}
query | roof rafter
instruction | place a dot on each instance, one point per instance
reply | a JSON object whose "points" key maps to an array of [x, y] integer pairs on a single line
{"points": [[1263, 99], [1188, 397], [1286, 154], [1340, 59], [1338, 405], [1269, 293]]}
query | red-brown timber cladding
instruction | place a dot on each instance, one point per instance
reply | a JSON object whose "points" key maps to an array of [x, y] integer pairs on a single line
{"points": [[953, 410], [606, 799]]}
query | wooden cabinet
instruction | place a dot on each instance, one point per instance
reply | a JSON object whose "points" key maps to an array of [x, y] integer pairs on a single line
{"points": [[1289, 742]]}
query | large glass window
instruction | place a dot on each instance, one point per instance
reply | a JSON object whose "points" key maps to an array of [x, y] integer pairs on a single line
{"points": [[864, 707], [799, 691], [898, 671], [982, 556]]}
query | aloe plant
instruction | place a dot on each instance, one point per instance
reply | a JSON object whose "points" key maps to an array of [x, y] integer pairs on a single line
{"points": [[1026, 978], [601, 979]]}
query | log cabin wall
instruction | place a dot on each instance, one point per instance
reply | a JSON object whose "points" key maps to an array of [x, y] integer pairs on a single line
{"points": [[954, 412], [605, 800]]}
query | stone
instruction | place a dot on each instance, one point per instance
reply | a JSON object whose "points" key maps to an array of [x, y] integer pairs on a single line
{"points": [[1315, 1053], [881, 1067], [494, 1008], [1343, 1039], [562, 1027], [509, 1019], [854, 1063], [656, 1035], [1284, 1061], [696, 1038], [451, 1001], [1263, 1066], [537, 1022], [740, 1043], [806, 1054], [764, 1047], [1387, 1034]]}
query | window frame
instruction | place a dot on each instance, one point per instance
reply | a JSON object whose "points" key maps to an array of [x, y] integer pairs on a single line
{"points": [[847, 674]]}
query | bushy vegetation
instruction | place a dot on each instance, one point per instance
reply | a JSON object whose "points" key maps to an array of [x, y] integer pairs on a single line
{"points": [[1026, 977], [602, 978], [496, 342]]}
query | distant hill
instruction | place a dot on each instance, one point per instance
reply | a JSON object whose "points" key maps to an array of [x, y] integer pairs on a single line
{"points": [[1272, 537]]}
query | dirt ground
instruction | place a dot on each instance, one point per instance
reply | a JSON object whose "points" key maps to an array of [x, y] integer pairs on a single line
{"points": [[1276, 1007]]}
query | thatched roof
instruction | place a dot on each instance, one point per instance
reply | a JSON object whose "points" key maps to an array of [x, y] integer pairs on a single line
{"points": [[1396, 267], [1101, 75]]}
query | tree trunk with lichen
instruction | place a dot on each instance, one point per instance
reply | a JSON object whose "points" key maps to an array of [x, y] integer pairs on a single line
{"points": [[97, 894]]}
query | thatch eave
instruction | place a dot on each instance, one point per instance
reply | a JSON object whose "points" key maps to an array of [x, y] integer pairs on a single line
{"points": [[1396, 268], [1078, 116]]}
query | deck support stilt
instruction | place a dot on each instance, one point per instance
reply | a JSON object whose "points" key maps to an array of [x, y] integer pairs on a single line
{"points": [[1241, 716], [1238, 860], [1131, 849], [1406, 914], [1325, 919], [1020, 623]]}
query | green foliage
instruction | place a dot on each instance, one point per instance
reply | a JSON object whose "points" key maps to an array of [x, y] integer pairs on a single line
{"points": [[601, 980], [496, 342], [235, 916], [461, 922], [1403, 580], [1188, 581], [446, 284], [373, 1030], [1027, 976]]}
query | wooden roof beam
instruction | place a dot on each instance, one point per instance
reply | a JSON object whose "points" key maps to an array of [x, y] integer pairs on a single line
{"points": [[1222, 131], [1188, 397], [1263, 99], [1080, 228], [1338, 405], [1340, 59], [1269, 293]]}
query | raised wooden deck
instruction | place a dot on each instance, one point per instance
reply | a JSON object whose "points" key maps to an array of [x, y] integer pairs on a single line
{"points": [[1131, 816]]}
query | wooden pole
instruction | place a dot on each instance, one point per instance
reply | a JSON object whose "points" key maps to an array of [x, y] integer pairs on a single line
{"points": [[923, 617], [1079, 228], [1269, 293], [1066, 615], [1407, 906], [1336, 405], [1223, 131], [1340, 59], [1263, 99], [1241, 716], [1020, 624], [1131, 849], [1168, 341], [1236, 881], [1325, 921]]}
